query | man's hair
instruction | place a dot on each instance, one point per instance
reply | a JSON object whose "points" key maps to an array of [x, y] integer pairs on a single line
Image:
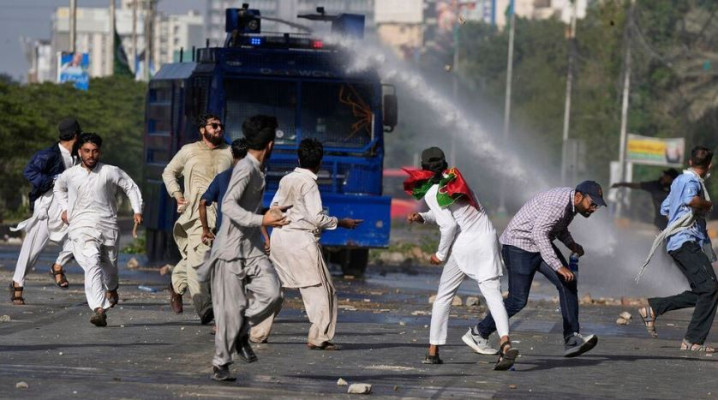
{"points": [[310, 153], [239, 148], [701, 156], [89, 137], [204, 118], [259, 131]]}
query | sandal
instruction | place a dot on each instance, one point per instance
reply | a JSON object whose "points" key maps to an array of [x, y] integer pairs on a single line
{"points": [[99, 318], [16, 295], [429, 359], [507, 358], [698, 348], [324, 346], [62, 283], [113, 297], [649, 320]]}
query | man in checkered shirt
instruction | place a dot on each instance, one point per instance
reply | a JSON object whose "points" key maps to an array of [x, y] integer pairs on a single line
{"points": [[528, 248]]}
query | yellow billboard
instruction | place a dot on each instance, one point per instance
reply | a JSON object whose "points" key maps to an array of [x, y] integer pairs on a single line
{"points": [[655, 151]]}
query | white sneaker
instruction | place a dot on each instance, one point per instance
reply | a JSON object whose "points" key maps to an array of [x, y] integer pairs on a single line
{"points": [[478, 344]]}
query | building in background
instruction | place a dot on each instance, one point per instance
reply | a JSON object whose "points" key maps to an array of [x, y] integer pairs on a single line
{"points": [[175, 34], [39, 56]]}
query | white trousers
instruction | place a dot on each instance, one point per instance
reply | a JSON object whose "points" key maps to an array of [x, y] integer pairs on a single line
{"points": [[37, 234], [100, 265], [451, 278]]}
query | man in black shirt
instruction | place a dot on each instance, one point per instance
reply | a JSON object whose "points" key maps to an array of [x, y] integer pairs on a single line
{"points": [[658, 190]]}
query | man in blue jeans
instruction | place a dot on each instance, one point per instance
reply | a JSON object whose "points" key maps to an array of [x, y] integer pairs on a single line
{"points": [[528, 248], [688, 244]]}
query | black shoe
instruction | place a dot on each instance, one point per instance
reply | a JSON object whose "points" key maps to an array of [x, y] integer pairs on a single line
{"points": [[206, 317], [244, 349], [221, 374], [99, 319], [578, 344], [429, 359]]}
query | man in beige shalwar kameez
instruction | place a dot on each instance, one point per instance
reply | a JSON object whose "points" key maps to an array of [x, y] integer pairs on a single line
{"points": [[296, 253], [198, 163]]}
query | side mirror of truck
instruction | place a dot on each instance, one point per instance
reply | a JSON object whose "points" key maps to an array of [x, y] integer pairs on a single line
{"points": [[390, 109]]}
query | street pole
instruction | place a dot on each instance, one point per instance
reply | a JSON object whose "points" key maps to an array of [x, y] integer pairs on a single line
{"points": [[507, 104], [149, 15], [112, 37], [73, 25], [134, 35], [569, 86], [624, 108], [455, 83]]}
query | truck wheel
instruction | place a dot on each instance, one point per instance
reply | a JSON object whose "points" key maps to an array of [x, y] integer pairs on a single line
{"points": [[354, 261]]}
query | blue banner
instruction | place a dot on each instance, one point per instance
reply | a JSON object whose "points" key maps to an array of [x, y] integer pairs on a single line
{"points": [[73, 67]]}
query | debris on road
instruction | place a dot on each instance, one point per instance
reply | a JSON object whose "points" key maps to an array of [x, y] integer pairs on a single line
{"points": [[342, 382], [5, 318], [133, 263], [21, 385], [625, 315], [472, 301], [166, 269], [359, 388]]}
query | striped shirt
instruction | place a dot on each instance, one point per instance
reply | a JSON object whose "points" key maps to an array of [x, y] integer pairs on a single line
{"points": [[540, 221]]}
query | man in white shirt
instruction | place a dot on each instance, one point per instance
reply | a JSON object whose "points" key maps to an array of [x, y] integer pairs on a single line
{"points": [[86, 194], [45, 224], [296, 253]]}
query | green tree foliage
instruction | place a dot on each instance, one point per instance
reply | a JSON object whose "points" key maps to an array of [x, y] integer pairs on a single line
{"points": [[113, 108]]}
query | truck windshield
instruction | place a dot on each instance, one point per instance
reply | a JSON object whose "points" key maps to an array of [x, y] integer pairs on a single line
{"points": [[337, 114]]}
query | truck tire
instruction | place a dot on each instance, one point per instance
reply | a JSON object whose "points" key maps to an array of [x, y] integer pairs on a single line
{"points": [[160, 247], [354, 261]]}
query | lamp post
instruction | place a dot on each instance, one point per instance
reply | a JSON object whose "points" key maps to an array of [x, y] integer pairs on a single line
{"points": [[507, 105]]}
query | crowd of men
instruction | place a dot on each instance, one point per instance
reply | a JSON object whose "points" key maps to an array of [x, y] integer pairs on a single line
{"points": [[235, 272]]}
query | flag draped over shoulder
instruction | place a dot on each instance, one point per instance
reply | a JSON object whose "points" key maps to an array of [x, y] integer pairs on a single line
{"points": [[452, 186], [121, 65]]}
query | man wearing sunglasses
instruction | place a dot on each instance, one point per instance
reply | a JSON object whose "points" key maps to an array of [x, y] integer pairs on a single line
{"points": [[198, 163], [528, 248]]}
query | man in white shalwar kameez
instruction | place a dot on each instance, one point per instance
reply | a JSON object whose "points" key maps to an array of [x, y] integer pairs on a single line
{"points": [[198, 163], [86, 194], [469, 247], [245, 287], [296, 253], [45, 224]]}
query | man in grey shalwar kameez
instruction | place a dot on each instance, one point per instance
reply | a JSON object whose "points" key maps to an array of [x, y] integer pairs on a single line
{"points": [[245, 288], [296, 253]]}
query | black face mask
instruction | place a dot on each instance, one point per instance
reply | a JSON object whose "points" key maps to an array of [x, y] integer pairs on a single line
{"points": [[215, 140]]}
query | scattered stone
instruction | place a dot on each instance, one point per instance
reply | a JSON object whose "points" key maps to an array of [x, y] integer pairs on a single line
{"points": [[432, 298], [392, 257], [512, 386], [396, 388], [633, 301], [166, 269], [59, 354], [625, 315], [420, 312], [472, 301], [367, 300], [586, 299], [21, 385], [359, 388], [5, 318], [133, 263], [14, 240], [456, 301], [342, 382], [621, 321], [402, 323]]}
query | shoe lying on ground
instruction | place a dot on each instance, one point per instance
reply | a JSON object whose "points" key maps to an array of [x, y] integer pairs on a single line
{"points": [[579, 344], [323, 346], [698, 348], [221, 374], [99, 319], [478, 344]]}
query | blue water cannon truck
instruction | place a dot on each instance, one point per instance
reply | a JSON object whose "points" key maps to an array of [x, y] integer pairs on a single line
{"points": [[306, 84]]}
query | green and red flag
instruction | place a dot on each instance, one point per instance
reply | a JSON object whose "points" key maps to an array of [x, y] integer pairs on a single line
{"points": [[452, 186]]}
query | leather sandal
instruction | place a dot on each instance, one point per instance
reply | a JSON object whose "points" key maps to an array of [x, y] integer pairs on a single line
{"points": [[695, 347], [649, 320], [62, 283], [506, 357], [16, 295]]}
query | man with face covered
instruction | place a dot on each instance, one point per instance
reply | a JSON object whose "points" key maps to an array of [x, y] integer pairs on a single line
{"points": [[528, 248], [198, 163]]}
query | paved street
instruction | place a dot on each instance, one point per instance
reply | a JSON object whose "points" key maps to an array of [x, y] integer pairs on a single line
{"points": [[147, 352]]}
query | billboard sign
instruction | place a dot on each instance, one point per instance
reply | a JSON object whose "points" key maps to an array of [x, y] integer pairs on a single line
{"points": [[73, 67], [655, 151]]}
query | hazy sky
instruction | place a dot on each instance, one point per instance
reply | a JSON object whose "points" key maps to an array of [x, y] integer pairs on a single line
{"points": [[31, 18]]}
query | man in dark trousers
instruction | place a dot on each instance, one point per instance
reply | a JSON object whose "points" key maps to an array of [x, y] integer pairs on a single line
{"points": [[45, 224], [658, 189], [686, 207]]}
